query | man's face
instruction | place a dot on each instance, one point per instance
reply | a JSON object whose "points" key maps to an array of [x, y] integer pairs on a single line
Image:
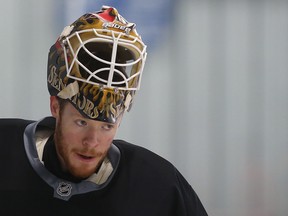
{"points": [[81, 143]]}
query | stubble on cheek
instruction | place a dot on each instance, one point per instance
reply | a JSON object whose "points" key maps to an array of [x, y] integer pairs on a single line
{"points": [[70, 159]]}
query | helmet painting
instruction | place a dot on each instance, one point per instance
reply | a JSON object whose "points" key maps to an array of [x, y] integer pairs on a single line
{"points": [[96, 64]]}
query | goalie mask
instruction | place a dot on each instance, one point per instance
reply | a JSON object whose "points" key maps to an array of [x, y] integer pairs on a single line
{"points": [[97, 64]]}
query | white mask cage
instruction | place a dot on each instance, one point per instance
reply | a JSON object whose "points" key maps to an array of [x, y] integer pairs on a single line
{"points": [[105, 58]]}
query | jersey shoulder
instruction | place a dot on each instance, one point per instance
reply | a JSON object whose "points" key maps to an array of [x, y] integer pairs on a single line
{"points": [[8, 124], [133, 150], [144, 159]]}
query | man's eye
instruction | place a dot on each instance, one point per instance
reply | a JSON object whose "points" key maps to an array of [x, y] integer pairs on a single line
{"points": [[81, 123], [108, 126]]}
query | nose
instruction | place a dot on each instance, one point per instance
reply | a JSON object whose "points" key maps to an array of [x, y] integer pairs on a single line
{"points": [[91, 138]]}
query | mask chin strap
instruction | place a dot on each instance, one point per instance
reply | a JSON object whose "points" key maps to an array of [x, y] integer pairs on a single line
{"points": [[69, 91]]}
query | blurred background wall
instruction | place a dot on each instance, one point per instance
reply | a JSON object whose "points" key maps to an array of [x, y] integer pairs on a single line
{"points": [[214, 95]]}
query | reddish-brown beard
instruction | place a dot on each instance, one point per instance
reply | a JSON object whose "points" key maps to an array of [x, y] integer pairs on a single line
{"points": [[64, 159]]}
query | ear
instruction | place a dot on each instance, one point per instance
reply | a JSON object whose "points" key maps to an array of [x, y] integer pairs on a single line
{"points": [[54, 106]]}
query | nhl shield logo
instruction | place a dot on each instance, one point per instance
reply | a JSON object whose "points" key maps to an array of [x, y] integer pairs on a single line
{"points": [[64, 189]]}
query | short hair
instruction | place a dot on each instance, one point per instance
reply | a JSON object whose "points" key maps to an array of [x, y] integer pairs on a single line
{"points": [[62, 103]]}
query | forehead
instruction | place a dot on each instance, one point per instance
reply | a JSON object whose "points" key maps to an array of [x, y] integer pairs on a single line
{"points": [[69, 110]]}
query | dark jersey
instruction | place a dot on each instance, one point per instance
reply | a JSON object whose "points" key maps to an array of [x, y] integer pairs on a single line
{"points": [[142, 183]]}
